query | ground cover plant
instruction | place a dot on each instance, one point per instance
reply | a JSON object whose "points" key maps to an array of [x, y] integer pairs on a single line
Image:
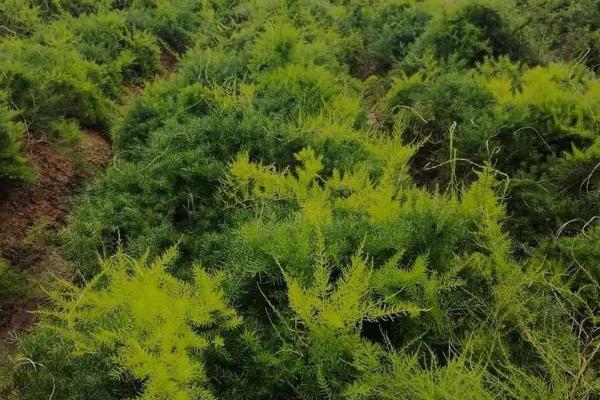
{"points": [[353, 199]]}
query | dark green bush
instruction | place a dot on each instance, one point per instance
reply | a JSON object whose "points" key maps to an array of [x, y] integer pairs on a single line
{"points": [[48, 83], [296, 90], [389, 31], [213, 66], [530, 123], [106, 39], [13, 165], [18, 18], [473, 32], [564, 29], [162, 102], [173, 22], [167, 192]]}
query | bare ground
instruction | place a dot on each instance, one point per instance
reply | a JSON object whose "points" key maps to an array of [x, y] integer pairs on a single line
{"points": [[30, 216]]}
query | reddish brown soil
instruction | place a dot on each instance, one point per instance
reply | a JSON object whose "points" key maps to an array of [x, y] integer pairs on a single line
{"points": [[168, 62], [26, 210], [47, 199]]}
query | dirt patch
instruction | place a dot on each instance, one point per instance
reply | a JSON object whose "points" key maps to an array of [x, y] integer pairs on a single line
{"points": [[96, 153], [47, 200], [168, 62], [30, 215], [19, 313]]}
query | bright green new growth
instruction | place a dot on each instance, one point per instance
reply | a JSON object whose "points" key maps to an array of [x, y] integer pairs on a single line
{"points": [[341, 308], [333, 313], [154, 326], [259, 182], [569, 94]]}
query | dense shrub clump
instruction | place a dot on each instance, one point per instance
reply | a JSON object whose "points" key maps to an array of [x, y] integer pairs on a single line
{"points": [[523, 120], [49, 83], [12, 162]]}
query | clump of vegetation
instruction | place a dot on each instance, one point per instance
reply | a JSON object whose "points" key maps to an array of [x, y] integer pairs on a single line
{"points": [[18, 18], [473, 32], [130, 55], [522, 120], [47, 83], [12, 162], [156, 353], [12, 285]]}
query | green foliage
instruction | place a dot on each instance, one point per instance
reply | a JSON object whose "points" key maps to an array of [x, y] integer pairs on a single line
{"points": [[12, 285], [566, 30], [173, 22], [522, 120], [12, 163], [401, 376], [213, 65], [162, 102], [331, 316], [151, 202], [65, 63], [46, 83], [296, 90], [107, 40], [391, 31], [18, 18], [368, 36], [151, 326], [399, 197], [473, 32], [53, 9]]}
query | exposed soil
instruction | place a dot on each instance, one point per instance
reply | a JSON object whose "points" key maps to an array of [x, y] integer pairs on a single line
{"points": [[31, 214], [168, 62]]}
